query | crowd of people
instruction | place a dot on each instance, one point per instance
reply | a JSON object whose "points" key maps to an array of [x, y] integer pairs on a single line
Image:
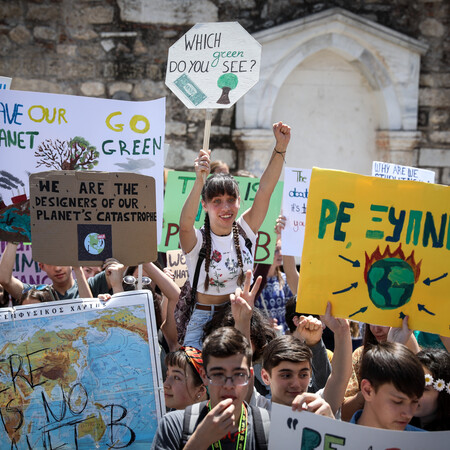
{"points": [[232, 341]]}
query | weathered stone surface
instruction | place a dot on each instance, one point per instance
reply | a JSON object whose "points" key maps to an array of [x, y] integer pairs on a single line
{"points": [[38, 85], [139, 48], [10, 10], [179, 155], [445, 178], [72, 70], [432, 27], [5, 45], [434, 157], [20, 35], [107, 44], [173, 12], [226, 155], [67, 50], [434, 97], [120, 86], [440, 137], [439, 117], [43, 13], [435, 80], [218, 130], [92, 89], [91, 51], [176, 128], [84, 35], [99, 14], [45, 33], [149, 90]]}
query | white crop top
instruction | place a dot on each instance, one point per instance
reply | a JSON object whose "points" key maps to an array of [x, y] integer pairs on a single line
{"points": [[223, 268]]}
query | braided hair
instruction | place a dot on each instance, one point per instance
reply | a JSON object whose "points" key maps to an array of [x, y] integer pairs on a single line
{"points": [[221, 184]]}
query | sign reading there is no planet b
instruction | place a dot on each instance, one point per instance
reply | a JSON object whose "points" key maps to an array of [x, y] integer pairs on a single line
{"points": [[83, 218], [213, 65]]}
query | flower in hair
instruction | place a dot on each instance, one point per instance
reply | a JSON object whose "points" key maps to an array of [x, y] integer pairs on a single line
{"points": [[439, 385], [428, 379], [448, 388]]}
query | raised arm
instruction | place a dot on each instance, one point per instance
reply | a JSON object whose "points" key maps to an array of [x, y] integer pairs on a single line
{"points": [[188, 238], [256, 214], [84, 289], [342, 360], [12, 284]]}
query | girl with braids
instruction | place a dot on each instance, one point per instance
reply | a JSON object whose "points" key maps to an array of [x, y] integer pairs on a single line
{"points": [[228, 255]]}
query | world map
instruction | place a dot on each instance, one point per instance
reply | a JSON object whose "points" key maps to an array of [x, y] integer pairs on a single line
{"points": [[78, 380]]}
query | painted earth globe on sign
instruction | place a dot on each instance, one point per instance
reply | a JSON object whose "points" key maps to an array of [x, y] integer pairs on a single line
{"points": [[94, 243], [390, 278]]}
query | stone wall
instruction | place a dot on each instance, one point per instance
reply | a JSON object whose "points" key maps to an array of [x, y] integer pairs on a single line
{"points": [[118, 49]]}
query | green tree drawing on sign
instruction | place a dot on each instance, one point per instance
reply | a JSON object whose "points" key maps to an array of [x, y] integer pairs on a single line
{"points": [[226, 82]]}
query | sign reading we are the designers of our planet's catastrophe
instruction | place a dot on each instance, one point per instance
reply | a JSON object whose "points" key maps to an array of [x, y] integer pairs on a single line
{"points": [[83, 218], [41, 131], [378, 250], [213, 65]]}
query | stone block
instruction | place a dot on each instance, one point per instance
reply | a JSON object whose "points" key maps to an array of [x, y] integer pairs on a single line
{"points": [[226, 155], [120, 86], [91, 51], [435, 80], [149, 90], [84, 35], [445, 179], [107, 44], [432, 28], [93, 89], [174, 12], [99, 14], [176, 128], [36, 85], [404, 158], [43, 13], [139, 48], [440, 137], [434, 97], [10, 10], [434, 157], [70, 70], [45, 33], [439, 117], [180, 157], [20, 35], [154, 72], [218, 130], [5, 45], [66, 50]]}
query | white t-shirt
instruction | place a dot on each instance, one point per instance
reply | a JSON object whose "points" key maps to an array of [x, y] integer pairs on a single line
{"points": [[223, 268]]}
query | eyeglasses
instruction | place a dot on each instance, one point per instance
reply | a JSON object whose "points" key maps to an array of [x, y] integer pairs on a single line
{"points": [[130, 280], [219, 379]]}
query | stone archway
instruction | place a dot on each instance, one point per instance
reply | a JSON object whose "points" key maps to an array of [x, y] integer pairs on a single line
{"points": [[388, 61]]}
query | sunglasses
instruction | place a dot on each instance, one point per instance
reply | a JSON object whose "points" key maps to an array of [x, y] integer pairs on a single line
{"points": [[132, 281]]}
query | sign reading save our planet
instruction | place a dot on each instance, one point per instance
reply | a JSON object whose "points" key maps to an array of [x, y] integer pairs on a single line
{"points": [[213, 65], [378, 250]]}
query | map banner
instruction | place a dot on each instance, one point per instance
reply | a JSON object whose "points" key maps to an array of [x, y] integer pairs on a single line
{"points": [[83, 218], [178, 186], [66, 132], [307, 431], [80, 374], [378, 250]]}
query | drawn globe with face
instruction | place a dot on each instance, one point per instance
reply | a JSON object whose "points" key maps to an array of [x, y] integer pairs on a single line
{"points": [[94, 243], [391, 278]]}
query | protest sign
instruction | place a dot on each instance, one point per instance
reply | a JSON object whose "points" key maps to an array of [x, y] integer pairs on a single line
{"points": [[213, 65], [295, 198], [80, 374], [307, 431], [176, 262], [178, 186], [397, 172], [83, 218], [378, 250], [25, 268], [63, 132], [5, 82]]}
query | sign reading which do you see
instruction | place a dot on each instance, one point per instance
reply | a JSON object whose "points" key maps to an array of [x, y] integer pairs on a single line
{"points": [[213, 65], [83, 218], [378, 250]]}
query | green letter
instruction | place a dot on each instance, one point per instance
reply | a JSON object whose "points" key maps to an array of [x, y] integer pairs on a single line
{"points": [[327, 215]]}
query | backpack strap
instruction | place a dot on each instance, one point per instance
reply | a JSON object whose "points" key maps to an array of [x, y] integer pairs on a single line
{"points": [[248, 242], [261, 425], [193, 415]]}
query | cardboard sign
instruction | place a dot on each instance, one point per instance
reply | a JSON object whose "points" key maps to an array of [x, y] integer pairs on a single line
{"points": [[176, 262], [64, 132], [83, 218], [178, 186], [92, 377], [378, 250], [295, 198], [307, 431], [213, 65], [397, 172]]}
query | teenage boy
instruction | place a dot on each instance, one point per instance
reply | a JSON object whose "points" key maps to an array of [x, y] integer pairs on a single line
{"points": [[226, 421], [287, 369], [391, 383]]}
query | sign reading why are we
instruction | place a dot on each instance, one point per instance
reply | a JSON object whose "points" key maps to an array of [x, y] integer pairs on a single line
{"points": [[398, 172], [83, 218], [176, 262], [213, 65], [307, 431], [64, 132], [178, 187], [378, 250], [295, 198]]}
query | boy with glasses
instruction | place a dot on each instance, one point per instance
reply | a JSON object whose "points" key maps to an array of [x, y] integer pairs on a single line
{"points": [[226, 421]]}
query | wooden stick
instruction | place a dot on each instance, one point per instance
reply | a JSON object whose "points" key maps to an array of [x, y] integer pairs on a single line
{"points": [[207, 135]]}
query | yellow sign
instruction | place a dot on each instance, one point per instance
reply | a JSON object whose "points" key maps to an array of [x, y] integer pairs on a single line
{"points": [[378, 250]]}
